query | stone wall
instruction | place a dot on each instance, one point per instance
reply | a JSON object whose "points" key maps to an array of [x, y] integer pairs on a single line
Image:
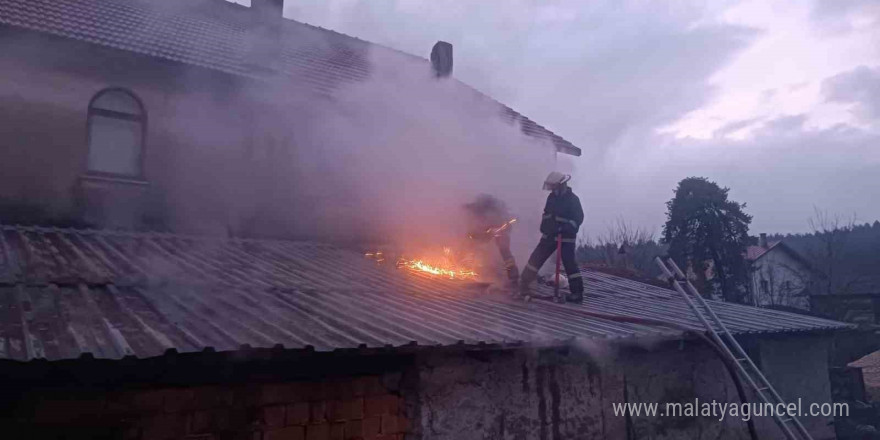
{"points": [[547, 394], [516, 395], [360, 408], [690, 373], [570, 394]]}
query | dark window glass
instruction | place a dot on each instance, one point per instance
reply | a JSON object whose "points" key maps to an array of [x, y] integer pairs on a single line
{"points": [[116, 133]]}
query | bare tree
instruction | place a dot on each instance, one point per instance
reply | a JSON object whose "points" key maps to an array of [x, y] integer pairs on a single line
{"points": [[793, 288], [783, 287], [628, 246], [832, 234]]}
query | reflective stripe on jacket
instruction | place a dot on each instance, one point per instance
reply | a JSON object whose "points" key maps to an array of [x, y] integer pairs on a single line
{"points": [[562, 214]]}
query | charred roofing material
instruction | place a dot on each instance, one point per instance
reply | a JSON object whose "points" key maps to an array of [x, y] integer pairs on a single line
{"points": [[315, 56], [65, 293]]}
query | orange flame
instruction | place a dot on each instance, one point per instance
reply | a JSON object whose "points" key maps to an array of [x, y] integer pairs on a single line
{"points": [[450, 272], [446, 265]]}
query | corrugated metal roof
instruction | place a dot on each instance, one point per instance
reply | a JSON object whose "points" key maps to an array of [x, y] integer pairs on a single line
{"points": [[67, 292], [318, 57]]}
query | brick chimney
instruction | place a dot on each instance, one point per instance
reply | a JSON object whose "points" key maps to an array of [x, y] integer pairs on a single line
{"points": [[762, 240], [441, 59]]}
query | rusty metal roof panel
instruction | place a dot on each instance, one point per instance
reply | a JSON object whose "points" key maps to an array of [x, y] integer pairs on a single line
{"points": [[66, 292], [320, 58]]}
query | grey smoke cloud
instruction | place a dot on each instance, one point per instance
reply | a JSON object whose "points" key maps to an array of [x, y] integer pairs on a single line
{"points": [[832, 16], [412, 150], [389, 159], [609, 75]]}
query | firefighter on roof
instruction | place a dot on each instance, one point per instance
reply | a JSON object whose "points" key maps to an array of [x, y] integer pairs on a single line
{"points": [[487, 217], [562, 216]]}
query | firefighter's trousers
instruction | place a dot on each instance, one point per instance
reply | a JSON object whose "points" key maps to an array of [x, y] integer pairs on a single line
{"points": [[546, 247], [503, 243]]}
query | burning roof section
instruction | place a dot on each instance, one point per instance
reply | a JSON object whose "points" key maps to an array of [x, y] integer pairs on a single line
{"points": [[65, 293], [318, 57]]}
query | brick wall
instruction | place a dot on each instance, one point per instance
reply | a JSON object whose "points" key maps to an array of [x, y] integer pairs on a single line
{"points": [[360, 408]]}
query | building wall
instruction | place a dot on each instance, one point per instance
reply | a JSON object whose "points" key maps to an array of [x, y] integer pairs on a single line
{"points": [[366, 407], [689, 374], [784, 278], [786, 362], [517, 395], [217, 153], [546, 394], [552, 395]]}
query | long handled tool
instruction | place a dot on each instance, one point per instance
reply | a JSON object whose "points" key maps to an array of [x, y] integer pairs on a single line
{"points": [[558, 264], [790, 425]]}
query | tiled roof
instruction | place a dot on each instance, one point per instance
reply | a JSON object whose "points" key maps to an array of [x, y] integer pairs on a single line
{"points": [[870, 366], [67, 292], [316, 56], [755, 252], [116, 24]]}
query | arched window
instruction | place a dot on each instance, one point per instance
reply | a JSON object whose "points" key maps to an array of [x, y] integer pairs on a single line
{"points": [[117, 124]]}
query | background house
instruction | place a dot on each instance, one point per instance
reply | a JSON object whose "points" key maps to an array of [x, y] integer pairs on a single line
{"points": [[778, 275], [782, 278]]}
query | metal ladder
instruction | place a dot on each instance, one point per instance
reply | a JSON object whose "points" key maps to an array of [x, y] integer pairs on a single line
{"points": [[791, 426]]}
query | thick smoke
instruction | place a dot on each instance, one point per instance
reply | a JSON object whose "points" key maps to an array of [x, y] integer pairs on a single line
{"points": [[411, 149], [390, 159]]}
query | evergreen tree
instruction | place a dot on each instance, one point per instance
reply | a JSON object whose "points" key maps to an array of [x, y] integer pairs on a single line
{"points": [[704, 228]]}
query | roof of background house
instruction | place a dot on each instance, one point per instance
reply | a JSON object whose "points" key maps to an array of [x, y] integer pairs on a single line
{"points": [[754, 252], [66, 292], [318, 57]]}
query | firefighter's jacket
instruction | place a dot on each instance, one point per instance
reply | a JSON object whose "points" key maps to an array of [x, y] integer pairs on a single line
{"points": [[562, 214]]}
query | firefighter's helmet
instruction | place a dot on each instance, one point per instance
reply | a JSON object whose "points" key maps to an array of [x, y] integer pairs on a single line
{"points": [[555, 179]]}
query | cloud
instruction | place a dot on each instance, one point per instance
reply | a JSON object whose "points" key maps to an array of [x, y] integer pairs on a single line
{"points": [[781, 171], [735, 126], [845, 16], [785, 124], [859, 87]]}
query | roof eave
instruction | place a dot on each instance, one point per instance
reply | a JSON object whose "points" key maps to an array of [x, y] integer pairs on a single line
{"points": [[567, 148]]}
